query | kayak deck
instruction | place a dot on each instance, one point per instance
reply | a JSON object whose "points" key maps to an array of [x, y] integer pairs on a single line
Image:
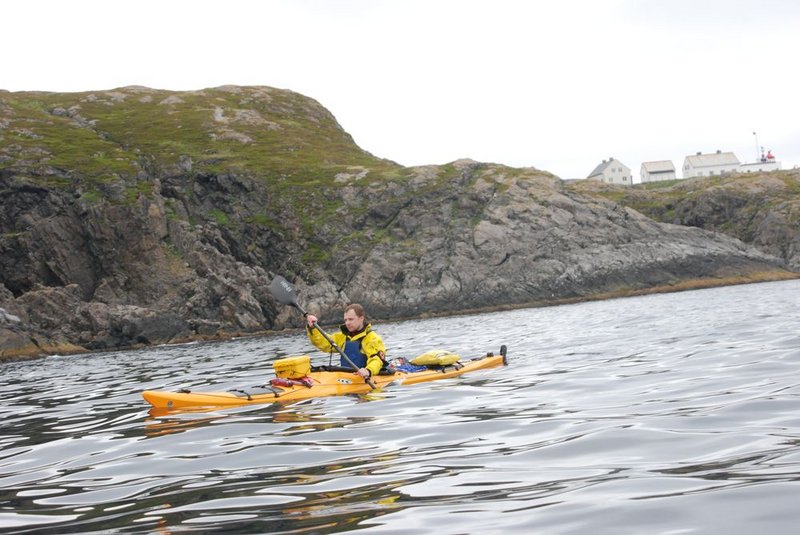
{"points": [[324, 382]]}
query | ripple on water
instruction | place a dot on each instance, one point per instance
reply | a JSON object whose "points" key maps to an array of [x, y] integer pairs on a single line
{"points": [[666, 413]]}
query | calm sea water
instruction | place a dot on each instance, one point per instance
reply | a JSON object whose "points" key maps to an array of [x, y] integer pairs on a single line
{"points": [[673, 413]]}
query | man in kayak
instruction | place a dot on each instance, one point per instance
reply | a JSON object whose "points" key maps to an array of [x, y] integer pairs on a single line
{"points": [[356, 339]]}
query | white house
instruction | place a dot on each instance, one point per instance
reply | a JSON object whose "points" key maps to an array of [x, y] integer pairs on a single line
{"points": [[612, 171], [657, 170], [718, 163]]}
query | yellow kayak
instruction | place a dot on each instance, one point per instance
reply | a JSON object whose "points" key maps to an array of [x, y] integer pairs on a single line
{"points": [[319, 382]]}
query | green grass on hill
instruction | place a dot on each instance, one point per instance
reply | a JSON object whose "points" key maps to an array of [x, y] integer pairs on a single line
{"points": [[102, 135]]}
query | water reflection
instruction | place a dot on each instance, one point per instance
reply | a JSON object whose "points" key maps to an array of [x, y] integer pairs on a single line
{"points": [[155, 427]]}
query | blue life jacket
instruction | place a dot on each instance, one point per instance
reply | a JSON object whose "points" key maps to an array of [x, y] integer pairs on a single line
{"points": [[352, 348]]}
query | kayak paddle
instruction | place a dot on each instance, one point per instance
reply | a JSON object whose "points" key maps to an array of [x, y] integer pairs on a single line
{"points": [[284, 293]]}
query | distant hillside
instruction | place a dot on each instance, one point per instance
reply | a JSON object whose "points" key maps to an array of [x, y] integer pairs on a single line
{"points": [[135, 216], [762, 209]]}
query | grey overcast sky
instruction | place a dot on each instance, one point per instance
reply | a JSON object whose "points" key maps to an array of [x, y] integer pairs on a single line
{"points": [[559, 85]]}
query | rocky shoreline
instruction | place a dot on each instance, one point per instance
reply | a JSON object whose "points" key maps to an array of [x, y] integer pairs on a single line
{"points": [[24, 346]]}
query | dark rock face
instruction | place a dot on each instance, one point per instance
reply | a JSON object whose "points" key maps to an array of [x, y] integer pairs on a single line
{"points": [[108, 276], [760, 209], [495, 236], [180, 251], [122, 275], [761, 216]]}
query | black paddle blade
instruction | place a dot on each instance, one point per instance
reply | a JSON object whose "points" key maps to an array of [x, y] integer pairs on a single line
{"points": [[282, 291]]}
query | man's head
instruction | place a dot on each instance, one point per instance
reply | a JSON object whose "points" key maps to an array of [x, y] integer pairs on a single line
{"points": [[354, 317]]}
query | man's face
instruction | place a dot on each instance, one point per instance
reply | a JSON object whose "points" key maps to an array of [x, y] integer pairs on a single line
{"points": [[352, 322]]}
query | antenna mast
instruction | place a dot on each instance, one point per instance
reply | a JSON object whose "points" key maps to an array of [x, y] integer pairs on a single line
{"points": [[758, 154]]}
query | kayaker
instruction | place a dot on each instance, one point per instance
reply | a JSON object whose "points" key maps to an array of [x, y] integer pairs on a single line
{"points": [[355, 338]]}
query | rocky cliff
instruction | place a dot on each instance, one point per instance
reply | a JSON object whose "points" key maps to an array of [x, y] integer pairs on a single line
{"points": [[762, 209], [136, 216]]}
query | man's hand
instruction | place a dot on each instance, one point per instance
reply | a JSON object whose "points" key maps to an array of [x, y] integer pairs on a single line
{"points": [[365, 373]]}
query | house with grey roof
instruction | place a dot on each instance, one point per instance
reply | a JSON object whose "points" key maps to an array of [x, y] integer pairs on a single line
{"points": [[657, 170], [717, 163], [612, 171]]}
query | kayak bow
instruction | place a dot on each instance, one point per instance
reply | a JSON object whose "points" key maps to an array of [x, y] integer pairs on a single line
{"points": [[324, 381]]}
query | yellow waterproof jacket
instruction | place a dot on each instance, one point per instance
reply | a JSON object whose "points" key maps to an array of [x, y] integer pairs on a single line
{"points": [[371, 350]]}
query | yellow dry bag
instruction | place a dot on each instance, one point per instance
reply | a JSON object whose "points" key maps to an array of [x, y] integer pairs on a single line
{"points": [[292, 367], [436, 357]]}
